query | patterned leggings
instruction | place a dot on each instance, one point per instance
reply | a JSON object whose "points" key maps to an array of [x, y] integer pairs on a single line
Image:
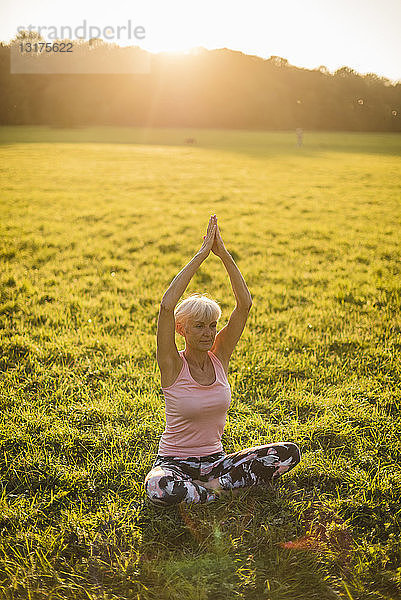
{"points": [[170, 480]]}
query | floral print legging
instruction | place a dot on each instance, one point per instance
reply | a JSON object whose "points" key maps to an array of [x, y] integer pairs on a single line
{"points": [[170, 480]]}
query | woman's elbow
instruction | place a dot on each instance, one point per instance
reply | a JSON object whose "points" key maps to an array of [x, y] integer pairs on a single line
{"points": [[166, 304], [249, 302], [245, 305]]}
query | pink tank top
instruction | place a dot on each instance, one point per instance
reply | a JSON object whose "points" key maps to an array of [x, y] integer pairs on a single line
{"points": [[195, 414]]}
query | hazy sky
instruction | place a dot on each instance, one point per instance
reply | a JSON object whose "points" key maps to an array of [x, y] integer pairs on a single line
{"points": [[361, 34]]}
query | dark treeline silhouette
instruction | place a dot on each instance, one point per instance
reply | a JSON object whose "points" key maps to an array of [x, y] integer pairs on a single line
{"points": [[209, 88]]}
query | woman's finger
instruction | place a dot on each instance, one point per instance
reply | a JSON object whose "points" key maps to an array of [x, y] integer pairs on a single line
{"points": [[211, 233]]}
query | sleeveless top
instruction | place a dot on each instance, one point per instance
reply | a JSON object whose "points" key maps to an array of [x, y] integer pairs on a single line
{"points": [[195, 414]]}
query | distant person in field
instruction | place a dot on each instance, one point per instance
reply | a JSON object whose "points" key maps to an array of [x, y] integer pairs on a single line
{"points": [[300, 136], [191, 465]]}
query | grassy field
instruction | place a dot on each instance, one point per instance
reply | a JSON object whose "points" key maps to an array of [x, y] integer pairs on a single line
{"points": [[95, 223]]}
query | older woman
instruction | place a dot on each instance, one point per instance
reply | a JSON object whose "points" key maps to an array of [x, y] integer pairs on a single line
{"points": [[191, 465]]}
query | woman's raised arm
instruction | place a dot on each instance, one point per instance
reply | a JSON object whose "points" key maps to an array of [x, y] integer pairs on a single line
{"points": [[240, 289], [167, 354], [228, 337], [180, 282]]}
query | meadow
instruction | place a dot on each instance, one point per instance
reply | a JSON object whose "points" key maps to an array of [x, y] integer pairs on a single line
{"points": [[95, 223]]}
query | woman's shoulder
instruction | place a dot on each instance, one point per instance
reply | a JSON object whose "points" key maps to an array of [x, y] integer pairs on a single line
{"points": [[223, 363]]}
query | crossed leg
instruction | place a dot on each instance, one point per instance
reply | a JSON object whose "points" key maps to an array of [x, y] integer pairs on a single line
{"points": [[259, 465], [167, 485]]}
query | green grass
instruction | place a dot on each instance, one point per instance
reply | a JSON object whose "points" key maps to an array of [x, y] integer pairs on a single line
{"points": [[92, 232]]}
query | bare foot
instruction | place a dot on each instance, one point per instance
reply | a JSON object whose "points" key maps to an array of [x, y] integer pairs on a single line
{"points": [[215, 486]]}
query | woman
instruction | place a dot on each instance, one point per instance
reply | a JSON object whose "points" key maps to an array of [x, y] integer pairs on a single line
{"points": [[191, 465]]}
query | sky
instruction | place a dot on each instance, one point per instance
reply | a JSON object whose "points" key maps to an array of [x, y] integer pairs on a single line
{"points": [[361, 34]]}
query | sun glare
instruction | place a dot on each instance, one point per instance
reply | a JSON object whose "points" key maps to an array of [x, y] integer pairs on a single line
{"points": [[306, 33]]}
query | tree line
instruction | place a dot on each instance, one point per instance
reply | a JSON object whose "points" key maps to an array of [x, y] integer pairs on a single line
{"points": [[207, 88]]}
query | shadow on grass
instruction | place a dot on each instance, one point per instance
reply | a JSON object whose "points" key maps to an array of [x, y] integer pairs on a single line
{"points": [[256, 545]]}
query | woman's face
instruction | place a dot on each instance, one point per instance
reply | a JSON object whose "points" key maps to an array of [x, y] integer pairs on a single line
{"points": [[200, 333]]}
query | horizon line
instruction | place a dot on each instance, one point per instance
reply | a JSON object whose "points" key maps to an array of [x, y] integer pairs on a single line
{"points": [[192, 50]]}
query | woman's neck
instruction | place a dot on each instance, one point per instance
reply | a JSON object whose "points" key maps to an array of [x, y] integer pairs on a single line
{"points": [[197, 358]]}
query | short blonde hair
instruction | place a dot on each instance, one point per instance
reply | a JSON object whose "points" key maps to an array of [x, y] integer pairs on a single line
{"points": [[196, 307]]}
